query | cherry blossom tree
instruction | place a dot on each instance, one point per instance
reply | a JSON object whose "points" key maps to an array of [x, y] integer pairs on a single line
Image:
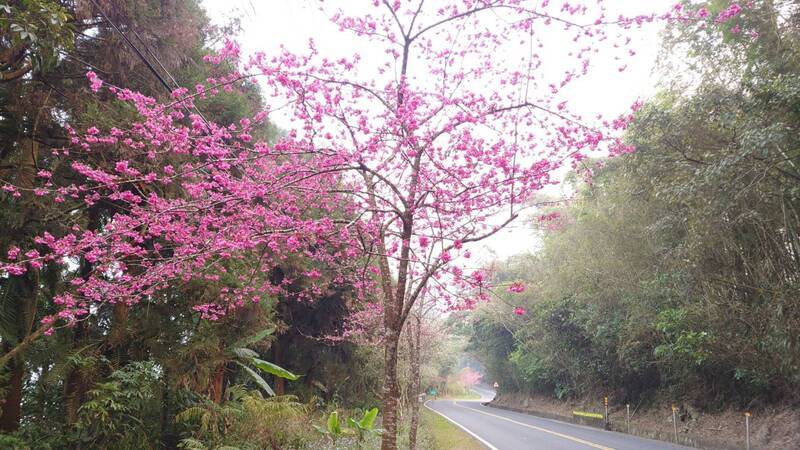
{"points": [[469, 377], [443, 141], [187, 198]]}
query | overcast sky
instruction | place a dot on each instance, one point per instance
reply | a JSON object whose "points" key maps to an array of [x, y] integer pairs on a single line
{"points": [[268, 24]]}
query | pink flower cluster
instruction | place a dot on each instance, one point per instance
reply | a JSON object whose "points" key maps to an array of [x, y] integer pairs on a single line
{"points": [[516, 287], [95, 83], [729, 13], [227, 200]]}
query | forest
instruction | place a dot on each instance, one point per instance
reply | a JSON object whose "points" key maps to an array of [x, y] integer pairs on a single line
{"points": [[674, 267], [183, 266]]}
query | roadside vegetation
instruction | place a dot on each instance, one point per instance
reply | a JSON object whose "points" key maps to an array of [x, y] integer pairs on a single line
{"points": [[671, 274], [436, 432]]}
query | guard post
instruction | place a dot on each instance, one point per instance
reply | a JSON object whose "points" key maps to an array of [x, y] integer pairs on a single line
{"points": [[675, 421], [628, 417], [747, 430]]}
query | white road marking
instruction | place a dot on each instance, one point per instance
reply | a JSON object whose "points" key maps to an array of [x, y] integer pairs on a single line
{"points": [[544, 430], [482, 440]]}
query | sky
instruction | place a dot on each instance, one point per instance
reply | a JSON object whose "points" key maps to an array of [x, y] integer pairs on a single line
{"points": [[268, 24]]}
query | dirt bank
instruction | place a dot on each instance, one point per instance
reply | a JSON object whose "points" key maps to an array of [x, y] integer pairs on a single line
{"points": [[771, 428]]}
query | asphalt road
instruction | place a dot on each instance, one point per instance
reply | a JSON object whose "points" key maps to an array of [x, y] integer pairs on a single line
{"points": [[499, 429]]}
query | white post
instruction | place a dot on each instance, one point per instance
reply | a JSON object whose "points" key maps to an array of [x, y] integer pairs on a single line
{"points": [[628, 417], [675, 421], [747, 430]]}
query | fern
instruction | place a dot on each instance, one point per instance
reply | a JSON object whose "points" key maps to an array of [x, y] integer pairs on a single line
{"points": [[246, 419]]}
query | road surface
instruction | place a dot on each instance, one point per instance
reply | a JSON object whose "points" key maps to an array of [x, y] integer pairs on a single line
{"points": [[499, 429]]}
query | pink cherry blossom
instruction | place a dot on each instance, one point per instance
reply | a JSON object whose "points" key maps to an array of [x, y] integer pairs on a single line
{"points": [[95, 82], [729, 13], [516, 287]]}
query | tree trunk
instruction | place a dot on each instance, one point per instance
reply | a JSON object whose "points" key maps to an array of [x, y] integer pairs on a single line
{"points": [[414, 331], [25, 307], [74, 395], [277, 358], [116, 346], [217, 385], [76, 385], [12, 404], [168, 406], [119, 328], [25, 304], [391, 391]]}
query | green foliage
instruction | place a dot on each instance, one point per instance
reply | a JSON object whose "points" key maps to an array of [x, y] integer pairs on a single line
{"points": [[366, 425], [34, 31], [248, 357], [273, 369], [680, 343], [13, 442], [267, 367], [676, 269], [245, 420], [360, 428], [255, 338], [117, 412], [332, 428], [493, 343]]}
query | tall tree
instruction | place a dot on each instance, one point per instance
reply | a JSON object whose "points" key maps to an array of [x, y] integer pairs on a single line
{"points": [[443, 142]]}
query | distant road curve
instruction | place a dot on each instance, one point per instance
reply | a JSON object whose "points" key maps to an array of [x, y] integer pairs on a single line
{"points": [[499, 429]]}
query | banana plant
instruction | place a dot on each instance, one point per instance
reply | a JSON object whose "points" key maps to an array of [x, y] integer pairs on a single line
{"points": [[249, 360], [366, 425], [360, 428], [333, 428]]}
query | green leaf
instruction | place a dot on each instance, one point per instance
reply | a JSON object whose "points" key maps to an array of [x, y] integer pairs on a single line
{"points": [[257, 378], [321, 430], [353, 424], [368, 420], [274, 369], [255, 338], [334, 427], [245, 353]]}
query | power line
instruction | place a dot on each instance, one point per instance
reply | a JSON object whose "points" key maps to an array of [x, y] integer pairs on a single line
{"points": [[135, 49], [160, 64], [152, 54], [145, 60]]}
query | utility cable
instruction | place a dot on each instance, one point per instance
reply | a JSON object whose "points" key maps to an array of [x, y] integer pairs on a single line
{"points": [[145, 60], [135, 49]]}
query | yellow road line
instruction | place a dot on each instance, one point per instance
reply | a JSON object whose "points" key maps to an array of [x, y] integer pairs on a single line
{"points": [[543, 430]]}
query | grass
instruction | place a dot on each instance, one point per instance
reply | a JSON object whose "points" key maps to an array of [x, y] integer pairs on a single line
{"points": [[442, 434], [434, 433]]}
